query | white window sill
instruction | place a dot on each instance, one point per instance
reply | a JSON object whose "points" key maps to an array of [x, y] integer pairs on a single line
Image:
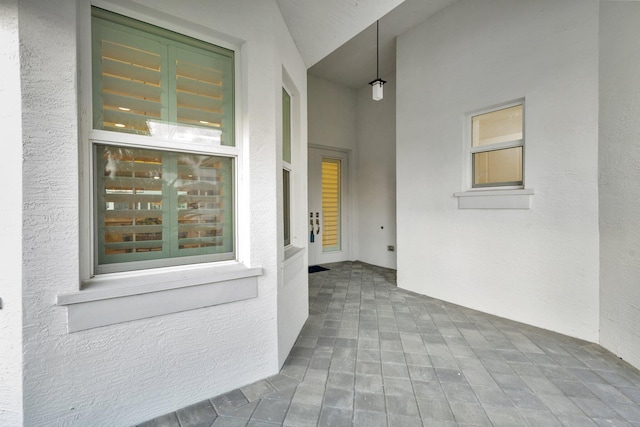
{"points": [[292, 252], [495, 199], [293, 263], [121, 297]]}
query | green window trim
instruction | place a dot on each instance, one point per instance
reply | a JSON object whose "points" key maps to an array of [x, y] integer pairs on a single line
{"points": [[286, 173], [157, 207], [144, 74], [286, 126], [286, 192]]}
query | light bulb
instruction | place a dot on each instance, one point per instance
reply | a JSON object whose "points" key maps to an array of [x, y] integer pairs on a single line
{"points": [[377, 90]]}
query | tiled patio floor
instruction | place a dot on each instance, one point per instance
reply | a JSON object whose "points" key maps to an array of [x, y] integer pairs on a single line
{"points": [[371, 354]]}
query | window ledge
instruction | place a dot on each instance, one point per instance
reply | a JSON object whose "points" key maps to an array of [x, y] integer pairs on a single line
{"points": [[495, 199], [292, 252], [121, 297], [293, 263]]}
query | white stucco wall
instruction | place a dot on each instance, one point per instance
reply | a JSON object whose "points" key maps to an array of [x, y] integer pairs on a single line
{"points": [[376, 175], [293, 286], [538, 266], [320, 27], [11, 214], [332, 114], [346, 119], [620, 179], [130, 372]]}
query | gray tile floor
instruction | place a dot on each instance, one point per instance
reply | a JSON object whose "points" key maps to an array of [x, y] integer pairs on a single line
{"points": [[371, 355]]}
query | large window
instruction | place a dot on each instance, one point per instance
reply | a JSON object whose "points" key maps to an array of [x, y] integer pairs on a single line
{"points": [[163, 123], [497, 144]]}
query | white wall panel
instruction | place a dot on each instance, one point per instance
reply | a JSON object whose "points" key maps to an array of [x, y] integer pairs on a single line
{"points": [[620, 179], [11, 214], [131, 372], [376, 175], [538, 265]]}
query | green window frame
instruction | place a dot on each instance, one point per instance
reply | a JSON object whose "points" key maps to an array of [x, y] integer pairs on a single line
{"points": [[286, 170], [158, 200], [146, 79]]}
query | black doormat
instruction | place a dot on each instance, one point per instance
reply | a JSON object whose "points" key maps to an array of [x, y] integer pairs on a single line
{"points": [[316, 268]]}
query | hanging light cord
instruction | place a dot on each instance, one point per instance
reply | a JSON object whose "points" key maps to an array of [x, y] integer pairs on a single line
{"points": [[377, 50], [378, 79]]}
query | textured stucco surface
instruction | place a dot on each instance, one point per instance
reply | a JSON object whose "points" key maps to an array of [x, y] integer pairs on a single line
{"points": [[376, 175], [348, 119], [332, 111], [620, 179], [293, 284], [131, 372], [538, 266], [332, 114], [11, 214]]}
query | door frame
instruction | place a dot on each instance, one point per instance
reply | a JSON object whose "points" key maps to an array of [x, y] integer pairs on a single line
{"points": [[346, 200]]}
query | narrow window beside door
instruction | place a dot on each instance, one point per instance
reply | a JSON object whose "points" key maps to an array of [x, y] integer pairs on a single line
{"points": [[286, 166]]}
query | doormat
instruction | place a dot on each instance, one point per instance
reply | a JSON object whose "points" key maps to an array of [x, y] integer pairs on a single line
{"points": [[316, 268]]}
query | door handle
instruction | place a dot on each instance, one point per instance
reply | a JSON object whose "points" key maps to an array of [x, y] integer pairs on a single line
{"points": [[318, 222], [311, 235]]}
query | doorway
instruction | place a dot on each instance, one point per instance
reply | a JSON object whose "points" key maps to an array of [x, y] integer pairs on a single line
{"points": [[328, 214]]}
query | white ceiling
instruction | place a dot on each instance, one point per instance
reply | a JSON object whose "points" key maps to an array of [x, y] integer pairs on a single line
{"points": [[337, 38], [319, 27]]}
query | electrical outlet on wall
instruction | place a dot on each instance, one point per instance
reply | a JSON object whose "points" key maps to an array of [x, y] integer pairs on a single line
{"points": [[391, 248]]}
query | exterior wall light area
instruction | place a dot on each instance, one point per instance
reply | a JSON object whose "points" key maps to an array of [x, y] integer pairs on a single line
{"points": [[376, 85]]}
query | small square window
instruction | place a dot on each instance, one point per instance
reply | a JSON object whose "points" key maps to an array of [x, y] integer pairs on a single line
{"points": [[497, 147]]}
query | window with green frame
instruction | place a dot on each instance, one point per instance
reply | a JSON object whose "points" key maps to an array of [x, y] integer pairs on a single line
{"points": [[158, 200], [286, 170]]}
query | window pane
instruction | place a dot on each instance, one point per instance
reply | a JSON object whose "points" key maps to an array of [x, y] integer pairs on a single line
{"points": [[205, 212], [499, 167], [154, 82], [154, 205], [128, 91], [204, 84], [286, 197], [497, 126], [286, 126], [132, 209], [331, 205]]}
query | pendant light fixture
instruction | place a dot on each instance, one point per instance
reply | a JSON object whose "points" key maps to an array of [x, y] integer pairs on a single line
{"points": [[377, 84]]}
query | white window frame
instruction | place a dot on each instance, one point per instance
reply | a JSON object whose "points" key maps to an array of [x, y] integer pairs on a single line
{"points": [[496, 146], [492, 196], [117, 297]]}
